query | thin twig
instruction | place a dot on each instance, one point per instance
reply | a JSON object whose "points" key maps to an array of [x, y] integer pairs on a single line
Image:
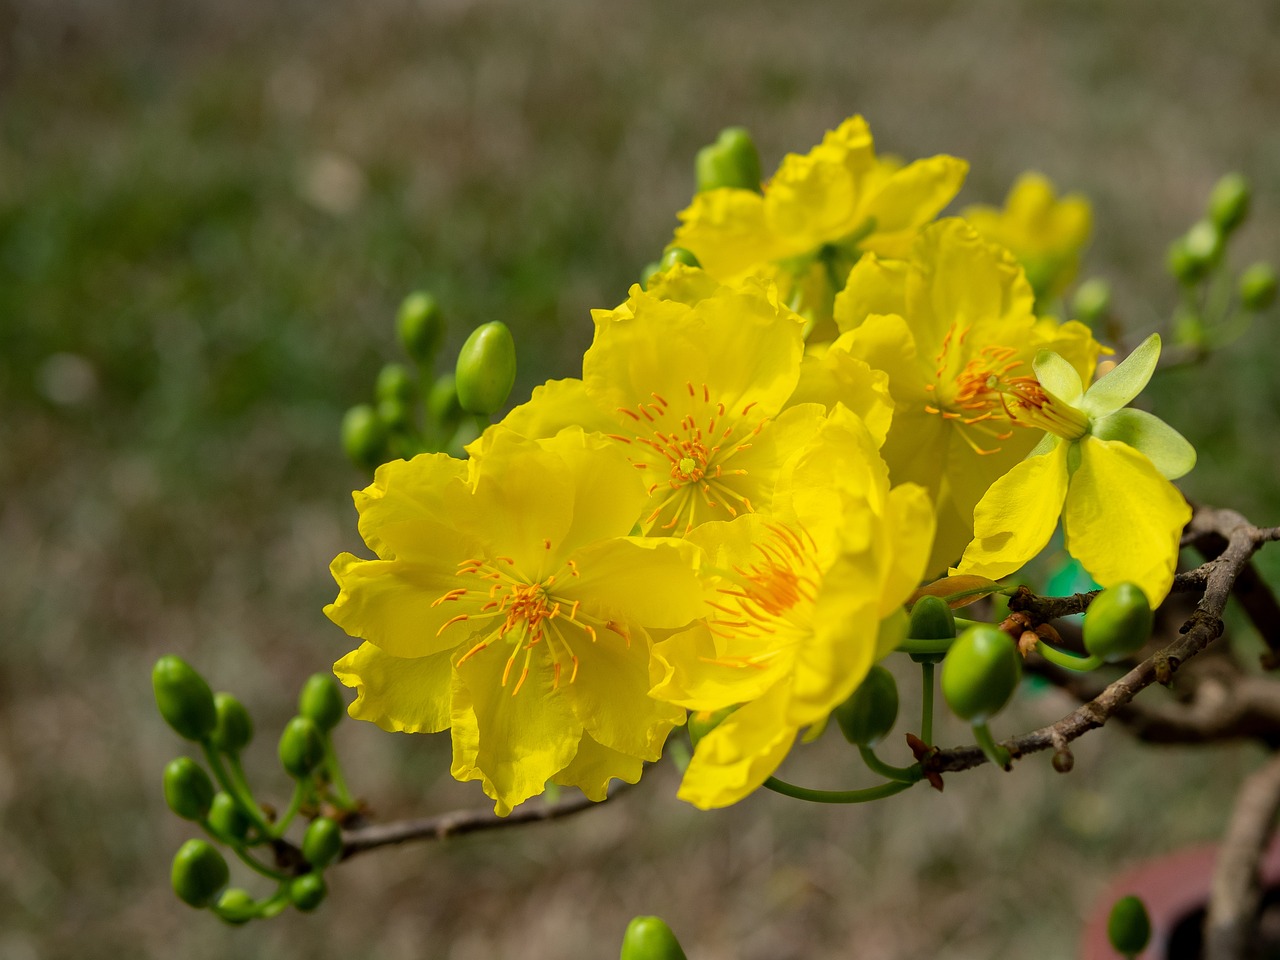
{"points": [[1234, 896]]}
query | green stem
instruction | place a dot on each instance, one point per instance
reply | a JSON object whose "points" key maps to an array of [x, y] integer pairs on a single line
{"points": [[1068, 661], [237, 786], [300, 791], [903, 774], [835, 796], [925, 646], [992, 750], [278, 901], [336, 780], [926, 703]]}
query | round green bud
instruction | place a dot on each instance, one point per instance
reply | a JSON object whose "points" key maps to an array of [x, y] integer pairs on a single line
{"points": [[1258, 287], [486, 369], [301, 747], [307, 891], [394, 383], [1229, 202], [1118, 622], [187, 789], [869, 714], [394, 414], [646, 274], [234, 729], [732, 161], [1092, 300], [227, 819], [198, 873], [931, 619], [1185, 268], [442, 402], [364, 437], [236, 906], [702, 722], [1204, 243], [1129, 926], [649, 938], [322, 843], [980, 673], [321, 701], [420, 326], [673, 255], [184, 699]]}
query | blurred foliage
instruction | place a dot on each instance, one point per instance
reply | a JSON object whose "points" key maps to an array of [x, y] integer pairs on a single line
{"points": [[209, 213]]}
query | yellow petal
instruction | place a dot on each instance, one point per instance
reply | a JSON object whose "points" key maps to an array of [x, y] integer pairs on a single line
{"points": [[910, 198], [593, 766], [1018, 515], [1123, 520], [553, 406], [837, 376], [726, 230], [875, 286], [647, 581], [701, 672], [399, 695], [910, 526]]}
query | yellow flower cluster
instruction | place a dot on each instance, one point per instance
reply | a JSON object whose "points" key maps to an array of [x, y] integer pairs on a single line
{"points": [[728, 510]]}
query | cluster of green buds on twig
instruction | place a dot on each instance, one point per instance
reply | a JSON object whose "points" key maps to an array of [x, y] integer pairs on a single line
{"points": [[222, 802], [417, 410]]}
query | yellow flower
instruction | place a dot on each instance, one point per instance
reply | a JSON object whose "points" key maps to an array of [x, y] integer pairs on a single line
{"points": [[954, 330], [694, 382], [1046, 234], [816, 214], [1103, 468], [507, 604], [799, 607]]}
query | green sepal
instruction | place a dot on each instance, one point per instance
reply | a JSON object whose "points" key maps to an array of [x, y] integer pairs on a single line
{"points": [[1127, 379], [187, 789], [1118, 622], [307, 891], [234, 728], [1058, 376], [871, 711], [486, 368], [1129, 926], [301, 747], [199, 872], [184, 699], [649, 938], [981, 672], [322, 843], [1165, 447], [321, 701]]}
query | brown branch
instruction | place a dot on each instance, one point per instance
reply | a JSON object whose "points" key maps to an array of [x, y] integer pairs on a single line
{"points": [[456, 823], [1218, 576], [1234, 896]]}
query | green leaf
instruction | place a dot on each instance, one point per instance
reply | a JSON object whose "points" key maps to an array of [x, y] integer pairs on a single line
{"points": [[1058, 376], [1118, 388], [1165, 447]]}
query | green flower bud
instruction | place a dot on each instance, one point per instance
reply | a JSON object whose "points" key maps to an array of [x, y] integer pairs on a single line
{"points": [[1258, 287], [322, 843], [1204, 243], [198, 873], [646, 274], [931, 619], [364, 438], [702, 722], [184, 699], [234, 729], [301, 747], [236, 906], [394, 383], [732, 161], [420, 326], [673, 255], [394, 414], [1092, 300], [321, 701], [486, 369], [307, 891], [869, 714], [980, 673], [1129, 926], [442, 402], [1118, 622], [227, 819], [187, 789], [649, 938], [1185, 268], [1229, 202]]}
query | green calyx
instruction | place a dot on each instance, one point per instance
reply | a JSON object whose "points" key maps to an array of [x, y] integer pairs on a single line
{"points": [[1129, 926], [187, 789], [234, 728], [931, 619], [981, 672], [322, 843], [420, 326], [183, 698], [1118, 622], [732, 161], [302, 747], [199, 872], [321, 701], [486, 369], [871, 711], [649, 938]]}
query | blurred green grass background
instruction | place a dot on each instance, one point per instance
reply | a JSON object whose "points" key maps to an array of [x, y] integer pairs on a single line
{"points": [[208, 213]]}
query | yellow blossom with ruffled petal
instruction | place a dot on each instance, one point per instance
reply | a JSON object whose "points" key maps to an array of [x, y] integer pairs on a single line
{"points": [[508, 604]]}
